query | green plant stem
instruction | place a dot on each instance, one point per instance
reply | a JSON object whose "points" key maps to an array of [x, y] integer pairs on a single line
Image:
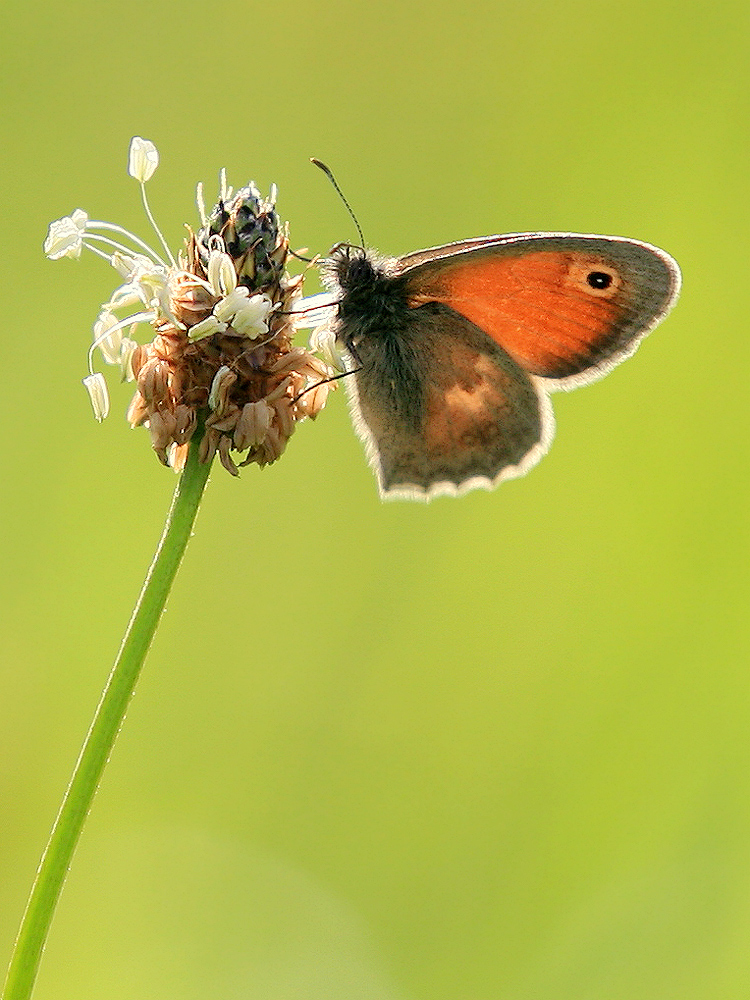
{"points": [[104, 728]]}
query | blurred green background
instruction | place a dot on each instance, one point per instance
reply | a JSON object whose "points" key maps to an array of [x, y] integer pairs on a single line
{"points": [[487, 749]]}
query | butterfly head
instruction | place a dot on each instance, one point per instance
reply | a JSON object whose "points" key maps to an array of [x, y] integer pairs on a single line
{"points": [[350, 266], [368, 297]]}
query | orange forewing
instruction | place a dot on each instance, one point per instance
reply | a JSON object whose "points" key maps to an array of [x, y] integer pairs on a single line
{"points": [[539, 306]]}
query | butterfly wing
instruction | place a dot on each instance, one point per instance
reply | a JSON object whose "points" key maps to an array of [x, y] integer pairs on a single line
{"points": [[456, 347], [442, 409], [565, 307]]}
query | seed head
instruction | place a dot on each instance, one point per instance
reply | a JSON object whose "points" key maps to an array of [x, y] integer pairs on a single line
{"points": [[222, 315]]}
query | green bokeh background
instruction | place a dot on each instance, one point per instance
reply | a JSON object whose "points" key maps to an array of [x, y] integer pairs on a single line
{"points": [[493, 748]]}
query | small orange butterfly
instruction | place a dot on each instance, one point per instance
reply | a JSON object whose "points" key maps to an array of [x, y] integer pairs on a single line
{"points": [[455, 349]]}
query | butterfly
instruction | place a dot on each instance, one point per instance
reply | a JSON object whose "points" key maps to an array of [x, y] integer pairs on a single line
{"points": [[454, 350]]}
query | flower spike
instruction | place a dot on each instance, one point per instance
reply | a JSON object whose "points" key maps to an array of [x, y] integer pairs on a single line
{"points": [[222, 318]]}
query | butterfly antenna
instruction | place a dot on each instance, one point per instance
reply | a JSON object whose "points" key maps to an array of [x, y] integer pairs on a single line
{"points": [[325, 381], [329, 174]]}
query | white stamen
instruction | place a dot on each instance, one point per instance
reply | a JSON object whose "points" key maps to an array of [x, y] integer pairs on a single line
{"points": [[144, 317], [229, 305], [120, 248], [222, 276], [323, 341], [206, 328], [96, 387], [127, 350], [201, 203], [65, 236], [251, 319], [220, 377], [143, 159], [108, 338]]}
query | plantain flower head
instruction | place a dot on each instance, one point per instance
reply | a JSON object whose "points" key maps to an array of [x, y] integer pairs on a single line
{"points": [[221, 318]]}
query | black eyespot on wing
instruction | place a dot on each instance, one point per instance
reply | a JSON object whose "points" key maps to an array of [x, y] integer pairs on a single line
{"points": [[599, 280]]}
